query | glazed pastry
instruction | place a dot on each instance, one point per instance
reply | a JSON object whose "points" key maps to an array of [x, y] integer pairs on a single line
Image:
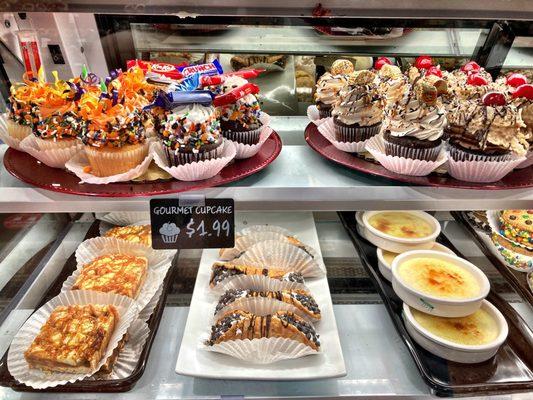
{"points": [[132, 233], [358, 112], [223, 270], [240, 121], [416, 122], [241, 325], [301, 299], [327, 89], [517, 225]]}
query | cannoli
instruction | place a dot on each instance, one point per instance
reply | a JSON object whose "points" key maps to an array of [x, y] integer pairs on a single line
{"points": [[223, 270], [240, 325]]}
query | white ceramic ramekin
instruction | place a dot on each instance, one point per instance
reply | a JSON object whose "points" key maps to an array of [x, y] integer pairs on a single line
{"points": [[441, 307], [469, 354], [386, 269], [400, 245]]}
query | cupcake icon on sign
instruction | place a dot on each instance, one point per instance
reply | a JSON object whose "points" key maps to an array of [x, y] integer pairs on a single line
{"points": [[169, 232]]}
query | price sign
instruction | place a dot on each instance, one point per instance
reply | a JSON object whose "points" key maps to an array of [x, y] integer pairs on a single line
{"points": [[175, 226]]}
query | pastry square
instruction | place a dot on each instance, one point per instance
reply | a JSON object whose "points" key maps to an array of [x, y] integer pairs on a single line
{"points": [[113, 273], [134, 233], [73, 339]]}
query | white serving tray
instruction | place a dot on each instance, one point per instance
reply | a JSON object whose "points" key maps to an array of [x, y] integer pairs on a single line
{"points": [[197, 362]]}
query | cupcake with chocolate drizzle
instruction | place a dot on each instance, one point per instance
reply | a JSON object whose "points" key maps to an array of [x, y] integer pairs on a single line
{"points": [[329, 85], [358, 113], [415, 123]]}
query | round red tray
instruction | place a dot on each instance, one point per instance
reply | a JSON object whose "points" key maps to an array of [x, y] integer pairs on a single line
{"points": [[518, 179], [28, 169]]}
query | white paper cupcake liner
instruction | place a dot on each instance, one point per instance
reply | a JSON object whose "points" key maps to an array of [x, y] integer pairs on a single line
{"points": [[158, 263], [401, 165], [493, 218], [314, 115], [254, 282], [123, 218], [55, 158], [38, 379], [195, 171], [244, 242], [79, 162], [148, 310], [11, 141], [528, 162], [274, 254], [264, 350], [482, 171], [128, 357], [262, 306], [264, 228], [327, 129]]}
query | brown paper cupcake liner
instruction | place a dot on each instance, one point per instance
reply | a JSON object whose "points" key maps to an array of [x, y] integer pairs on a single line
{"points": [[247, 137], [176, 158], [350, 134], [458, 154], [324, 113], [428, 154]]}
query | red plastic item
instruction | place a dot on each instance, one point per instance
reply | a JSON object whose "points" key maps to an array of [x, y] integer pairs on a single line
{"points": [[208, 80], [518, 179], [381, 61], [235, 94], [27, 169], [470, 66], [524, 91], [494, 99], [161, 68], [423, 62], [516, 80], [434, 70], [476, 80]]}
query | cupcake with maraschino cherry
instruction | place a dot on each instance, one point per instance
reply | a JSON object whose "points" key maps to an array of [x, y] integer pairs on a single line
{"points": [[329, 85], [359, 110]]}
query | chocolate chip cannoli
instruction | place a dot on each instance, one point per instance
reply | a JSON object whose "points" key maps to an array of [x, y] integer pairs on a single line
{"points": [[224, 270]]}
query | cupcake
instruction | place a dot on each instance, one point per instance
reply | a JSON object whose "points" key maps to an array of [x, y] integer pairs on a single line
{"points": [[485, 129], [391, 84], [329, 85], [468, 83], [416, 121], [358, 112], [191, 134], [57, 124], [240, 121], [23, 101]]}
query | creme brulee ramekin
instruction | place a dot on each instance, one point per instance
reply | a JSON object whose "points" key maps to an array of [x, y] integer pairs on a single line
{"points": [[386, 269], [439, 306], [452, 351], [400, 245]]}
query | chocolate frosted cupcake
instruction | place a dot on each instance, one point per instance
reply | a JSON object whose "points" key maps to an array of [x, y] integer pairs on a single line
{"points": [[327, 90], [240, 121], [358, 113], [415, 123], [192, 134], [488, 129]]}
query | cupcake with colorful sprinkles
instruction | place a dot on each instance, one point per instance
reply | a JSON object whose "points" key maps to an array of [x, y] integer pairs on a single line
{"points": [[25, 97], [240, 120], [192, 131]]}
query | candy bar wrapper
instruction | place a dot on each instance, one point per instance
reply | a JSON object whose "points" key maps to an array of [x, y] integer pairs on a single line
{"points": [[401, 165], [250, 150], [327, 129], [528, 162], [314, 115], [158, 263], [264, 350], [123, 218], [128, 357], [12, 133], [161, 68], [55, 158], [482, 171], [38, 379], [284, 256], [79, 162], [265, 228], [493, 218], [211, 68], [194, 171], [148, 310], [261, 306]]}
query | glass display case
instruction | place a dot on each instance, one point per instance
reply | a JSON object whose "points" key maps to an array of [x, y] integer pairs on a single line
{"points": [[303, 197]]}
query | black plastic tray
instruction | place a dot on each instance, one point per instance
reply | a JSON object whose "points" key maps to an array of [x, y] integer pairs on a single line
{"points": [[102, 386], [509, 371]]}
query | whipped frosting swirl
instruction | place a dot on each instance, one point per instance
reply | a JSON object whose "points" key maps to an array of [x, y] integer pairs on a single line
{"points": [[328, 87], [359, 104]]}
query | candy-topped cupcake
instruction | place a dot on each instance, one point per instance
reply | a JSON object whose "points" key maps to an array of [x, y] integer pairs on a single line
{"points": [[329, 85], [358, 112], [25, 97], [240, 120], [192, 133], [415, 123]]}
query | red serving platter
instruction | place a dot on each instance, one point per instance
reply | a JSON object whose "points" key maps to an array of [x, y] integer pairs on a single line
{"points": [[518, 179], [28, 169]]}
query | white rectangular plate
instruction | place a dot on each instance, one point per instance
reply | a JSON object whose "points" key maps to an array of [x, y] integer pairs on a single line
{"points": [[193, 360]]}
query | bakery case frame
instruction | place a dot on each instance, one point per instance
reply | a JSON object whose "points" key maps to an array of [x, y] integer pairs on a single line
{"points": [[42, 229]]}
